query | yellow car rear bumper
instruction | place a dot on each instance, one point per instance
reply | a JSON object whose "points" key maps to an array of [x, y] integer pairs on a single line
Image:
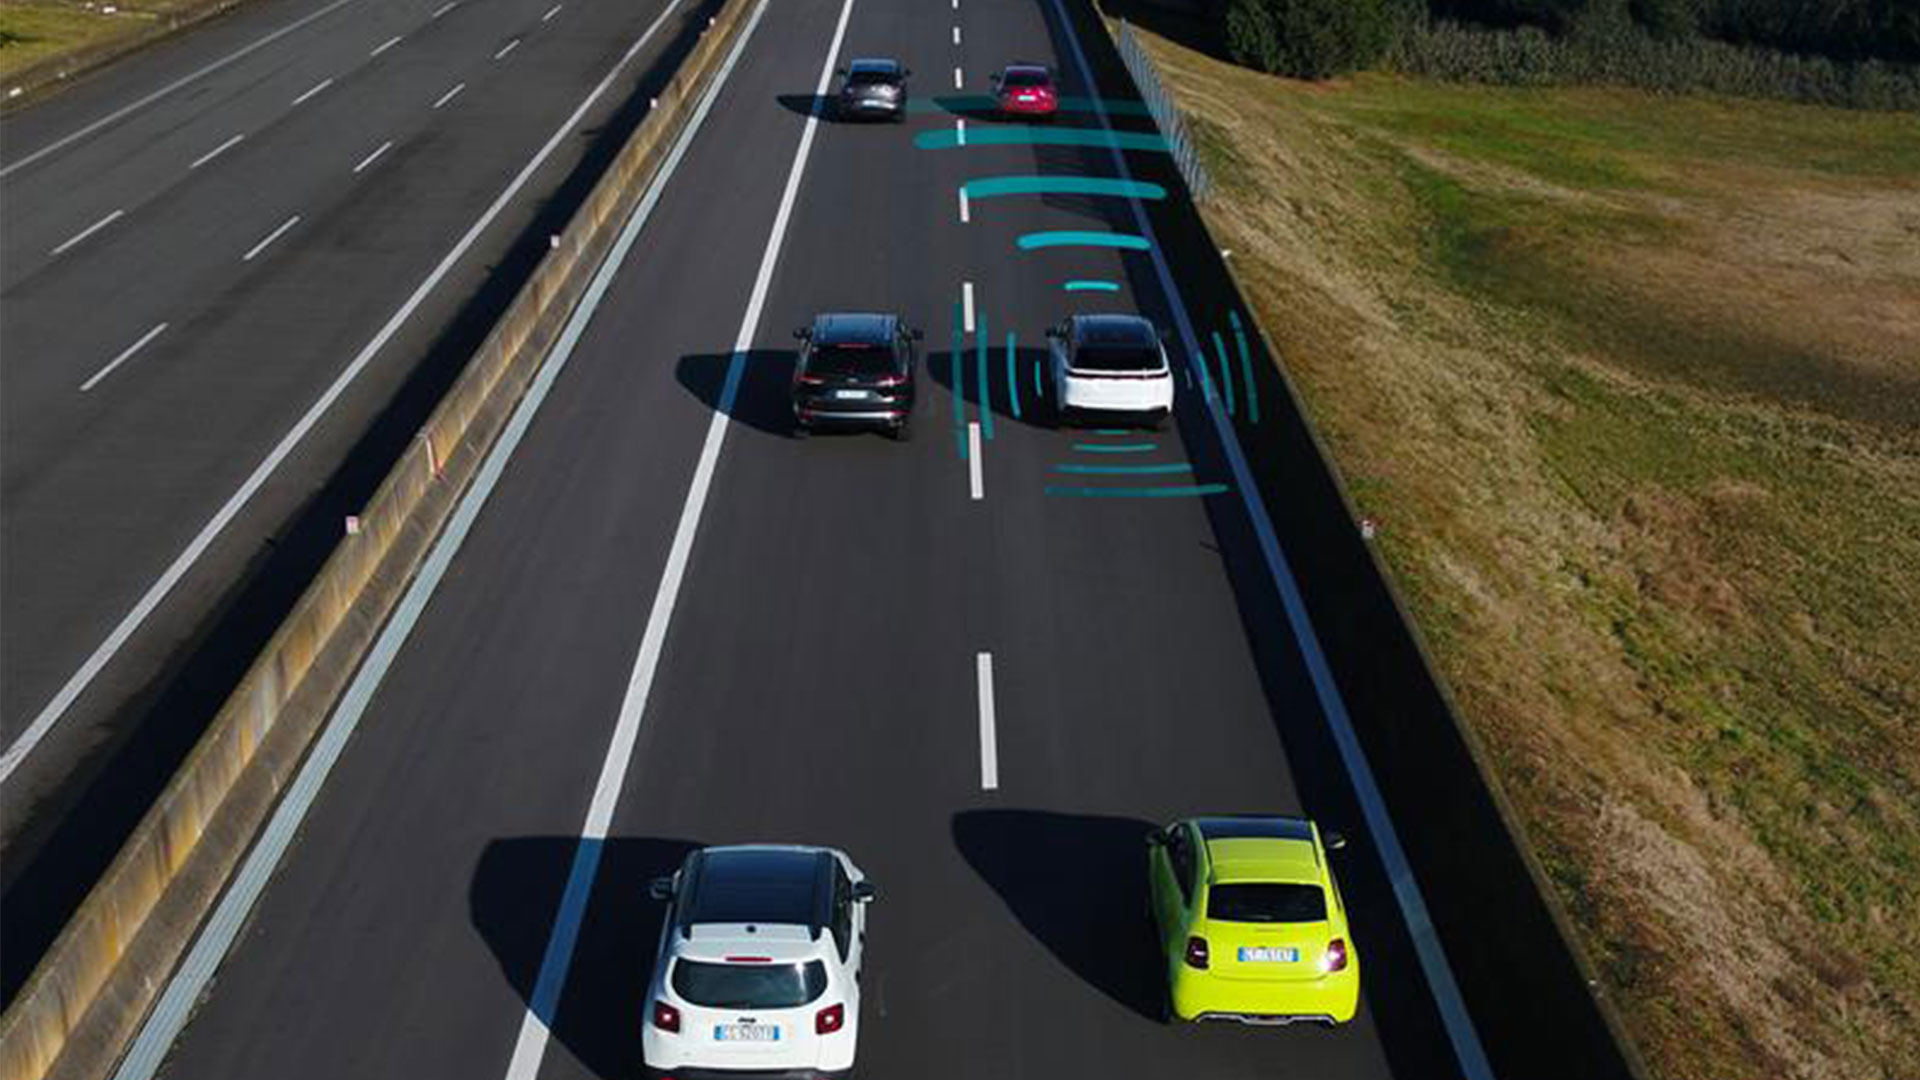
{"points": [[1202, 995]]}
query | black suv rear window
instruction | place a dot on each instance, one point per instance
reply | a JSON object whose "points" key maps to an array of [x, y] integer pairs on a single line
{"points": [[1267, 903], [749, 986], [851, 360], [1116, 358]]}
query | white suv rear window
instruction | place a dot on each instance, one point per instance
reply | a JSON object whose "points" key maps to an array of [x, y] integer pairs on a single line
{"points": [[749, 985]]}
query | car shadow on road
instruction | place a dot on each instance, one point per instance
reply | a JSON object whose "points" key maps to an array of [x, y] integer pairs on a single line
{"points": [[1017, 394], [1078, 884], [514, 902], [762, 401]]}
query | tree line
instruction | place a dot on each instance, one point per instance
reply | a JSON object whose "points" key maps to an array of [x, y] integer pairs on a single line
{"points": [[1860, 53]]}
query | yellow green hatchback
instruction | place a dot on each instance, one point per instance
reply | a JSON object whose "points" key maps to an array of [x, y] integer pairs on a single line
{"points": [[1251, 922]]}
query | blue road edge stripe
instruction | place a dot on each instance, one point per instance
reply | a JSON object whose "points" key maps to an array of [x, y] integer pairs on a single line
{"points": [[1465, 1040]]}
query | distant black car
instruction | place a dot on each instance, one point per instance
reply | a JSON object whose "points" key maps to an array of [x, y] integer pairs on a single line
{"points": [[873, 88], [855, 370]]}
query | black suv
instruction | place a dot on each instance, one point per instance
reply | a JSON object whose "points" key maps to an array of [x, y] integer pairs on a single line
{"points": [[855, 371], [873, 88]]}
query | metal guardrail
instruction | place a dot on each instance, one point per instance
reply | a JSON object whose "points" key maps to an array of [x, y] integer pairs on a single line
{"points": [[1166, 115]]}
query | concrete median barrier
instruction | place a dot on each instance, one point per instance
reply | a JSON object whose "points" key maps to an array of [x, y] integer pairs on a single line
{"points": [[75, 1015]]}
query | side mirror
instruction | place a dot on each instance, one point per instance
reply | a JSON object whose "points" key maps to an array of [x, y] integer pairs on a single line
{"points": [[1335, 840], [802, 333], [1157, 838], [864, 892], [661, 888]]}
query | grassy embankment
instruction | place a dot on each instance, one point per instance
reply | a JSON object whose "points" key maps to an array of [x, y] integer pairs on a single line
{"points": [[35, 30], [1633, 385]]}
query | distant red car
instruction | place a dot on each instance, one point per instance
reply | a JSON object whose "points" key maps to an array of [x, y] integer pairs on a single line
{"points": [[1025, 90]]}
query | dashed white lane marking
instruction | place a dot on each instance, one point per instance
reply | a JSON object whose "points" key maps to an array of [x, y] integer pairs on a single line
{"points": [[966, 306], [385, 45], [89, 231], [551, 12], [989, 742], [966, 214], [956, 35], [443, 9], [960, 131], [976, 476], [373, 157], [149, 601], [530, 1046], [450, 95], [214, 941], [271, 237], [124, 356], [956, 78], [190, 77], [215, 152], [317, 87], [507, 48]]}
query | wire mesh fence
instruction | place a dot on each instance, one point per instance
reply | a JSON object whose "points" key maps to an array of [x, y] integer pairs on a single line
{"points": [[1166, 115]]}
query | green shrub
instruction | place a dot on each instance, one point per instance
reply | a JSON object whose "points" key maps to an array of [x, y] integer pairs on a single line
{"points": [[1617, 51], [1307, 39]]}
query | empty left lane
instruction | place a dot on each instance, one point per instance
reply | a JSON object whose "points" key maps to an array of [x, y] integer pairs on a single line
{"points": [[205, 301]]}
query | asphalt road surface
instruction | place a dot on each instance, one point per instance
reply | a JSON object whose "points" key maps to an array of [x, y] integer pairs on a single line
{"points": [[220, 260], [685, 630]]}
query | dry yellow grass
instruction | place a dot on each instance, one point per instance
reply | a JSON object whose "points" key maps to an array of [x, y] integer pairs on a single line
{"points": [[32, 31], [1633, 385]]}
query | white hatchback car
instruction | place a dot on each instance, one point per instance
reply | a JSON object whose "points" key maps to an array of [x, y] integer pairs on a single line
{"points": [[1112, 366], [758, 970]]}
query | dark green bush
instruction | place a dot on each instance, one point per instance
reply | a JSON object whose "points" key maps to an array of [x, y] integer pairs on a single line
{"points": [[1307, 39]]}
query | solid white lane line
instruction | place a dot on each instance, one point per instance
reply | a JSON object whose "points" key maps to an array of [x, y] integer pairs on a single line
{"points": [[123, 357], [956, 78], [966, 214], [215, 939], [385, 45], [1467, 1050], [215, 152], [373, 157], [531, 1045], [190, 77], [271, 237], [989, 742], [966, 305], [960, 131], [89, 231], [507, 48], [450, 95], [443, 9], [97, 660], [551, 12], [976, 477], [317, 87]]}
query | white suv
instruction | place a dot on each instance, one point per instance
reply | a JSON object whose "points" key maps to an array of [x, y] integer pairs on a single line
{"points": [[758, 969], [1110, 365]]}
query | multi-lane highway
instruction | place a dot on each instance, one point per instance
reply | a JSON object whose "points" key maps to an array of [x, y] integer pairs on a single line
{"points": [[982, 662], [220, 260]]}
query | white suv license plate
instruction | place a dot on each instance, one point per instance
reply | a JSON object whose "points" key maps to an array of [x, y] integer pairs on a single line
{"points": [[1266, 954], [746, 1033]]}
